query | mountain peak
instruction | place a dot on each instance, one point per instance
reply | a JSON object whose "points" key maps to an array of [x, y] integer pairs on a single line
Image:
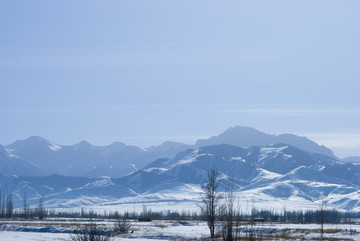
{"points": [[35, 138], [238, 136], [244, 131], [82, 144], [117, 144], [171, 144], [171, 147], [33, 142], [247, 136]]}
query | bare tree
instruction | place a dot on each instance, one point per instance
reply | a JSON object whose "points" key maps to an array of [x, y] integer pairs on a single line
{"points": [[41, 211], [26, 209], [145, 211], [9, 205], [122, 224], [91, 233], [210, 199], [229, 214], [1, 204], [237, 214], [321, 217]]}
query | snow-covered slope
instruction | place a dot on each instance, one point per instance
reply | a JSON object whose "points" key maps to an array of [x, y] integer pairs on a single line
{"points": [[275, 172], [272, 173], [61, 191]]}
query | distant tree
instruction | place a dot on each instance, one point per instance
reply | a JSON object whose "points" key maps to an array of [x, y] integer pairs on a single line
{"points": [[82, 213], [41, 211], [145, 211], [26, 209], [9, 205], [229, 214], [210, 199], [1, 204], [321, 216]]}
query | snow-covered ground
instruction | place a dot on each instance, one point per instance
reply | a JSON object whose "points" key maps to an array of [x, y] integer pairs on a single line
{"points": [[312, 231], [26, 236], [170, 230], [61, 230], [187, 199]]}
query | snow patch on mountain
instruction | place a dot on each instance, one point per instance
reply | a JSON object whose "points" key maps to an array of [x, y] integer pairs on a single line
{"points": [[54, 146], [237, 159], [272, 152]]}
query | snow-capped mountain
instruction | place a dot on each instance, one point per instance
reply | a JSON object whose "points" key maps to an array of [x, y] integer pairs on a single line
{"points": [[62, 191], [82, 159], [260, 167], [273, 173], [280, 173], [246, 136], [37, 156]]}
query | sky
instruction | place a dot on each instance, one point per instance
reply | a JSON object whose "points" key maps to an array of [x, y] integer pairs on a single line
{"points": [[143, 72]]}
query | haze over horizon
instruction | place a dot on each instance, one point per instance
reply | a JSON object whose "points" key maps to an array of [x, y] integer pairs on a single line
{"points": [[147, 72]]}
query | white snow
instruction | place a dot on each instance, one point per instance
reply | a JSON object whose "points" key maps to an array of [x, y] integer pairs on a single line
{"points": [[52, 189], [265, 174], [191, 158], [12, 155], [156, 168], [272, 151], [133, 166], [26, 236], [29, 236], [179, 230], [54, 146], [105, 181], [238, 159]]}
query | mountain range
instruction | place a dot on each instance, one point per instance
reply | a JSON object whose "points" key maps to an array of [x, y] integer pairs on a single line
{"points": [[42, 157], [37, 156], [296, 171]]}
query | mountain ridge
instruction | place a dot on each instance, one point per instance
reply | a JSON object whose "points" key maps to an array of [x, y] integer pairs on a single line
{"points": [[275, 172], [118, 159], [247, 136]]}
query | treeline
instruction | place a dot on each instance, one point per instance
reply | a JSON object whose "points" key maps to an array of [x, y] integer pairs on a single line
{"points": [[153, 215], [308, 216], [6, 204], [7, 209]]}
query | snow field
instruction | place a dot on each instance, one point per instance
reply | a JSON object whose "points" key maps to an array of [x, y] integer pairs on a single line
{"points": [[172, 230]]}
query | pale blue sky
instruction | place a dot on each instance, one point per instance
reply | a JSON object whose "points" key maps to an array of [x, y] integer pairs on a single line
{"points": [[143, 72]]}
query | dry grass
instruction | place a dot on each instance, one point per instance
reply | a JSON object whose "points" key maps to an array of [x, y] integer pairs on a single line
{"points": [[160, 225], [333, 239], [332, 230]]}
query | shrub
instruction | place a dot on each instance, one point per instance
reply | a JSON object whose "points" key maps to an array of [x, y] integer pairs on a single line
{"points": [[91, 233]]}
